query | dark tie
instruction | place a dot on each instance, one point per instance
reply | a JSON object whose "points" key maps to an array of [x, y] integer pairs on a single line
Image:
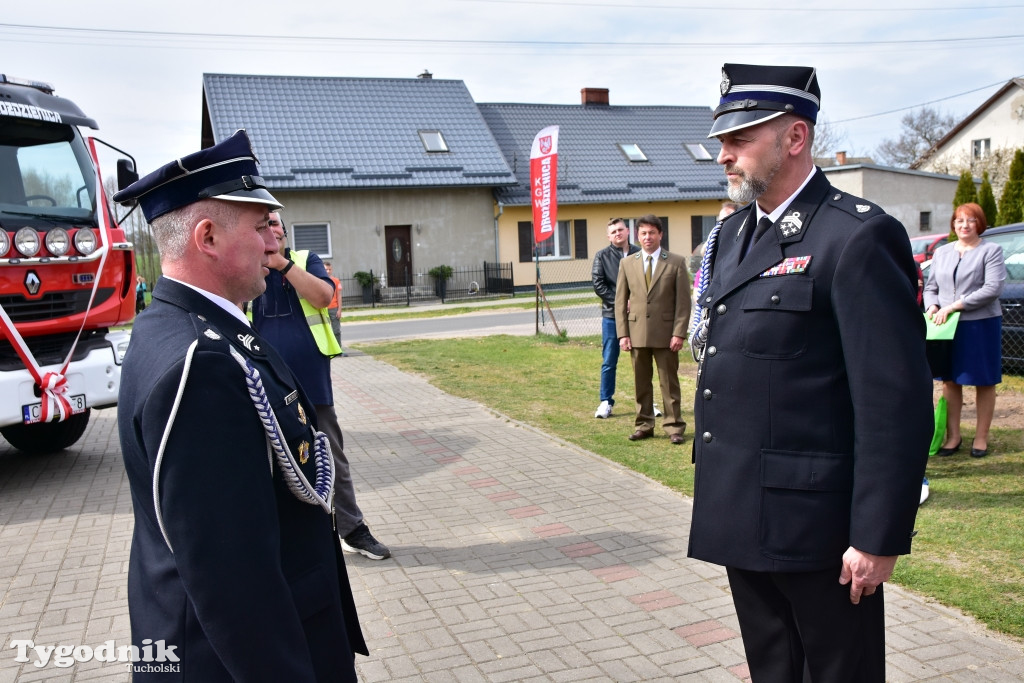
{"points": [[647, 272], [760, 229]]}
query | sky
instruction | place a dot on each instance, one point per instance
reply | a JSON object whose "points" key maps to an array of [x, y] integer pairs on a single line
{"points": [[137, 67]]}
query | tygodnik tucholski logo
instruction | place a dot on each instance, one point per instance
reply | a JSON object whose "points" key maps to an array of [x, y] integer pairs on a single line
{"points": [[152, 657]]}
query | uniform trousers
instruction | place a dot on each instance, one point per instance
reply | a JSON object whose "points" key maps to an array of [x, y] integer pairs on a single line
{"points": [[644, 359], [800, 627], [346, 511]]}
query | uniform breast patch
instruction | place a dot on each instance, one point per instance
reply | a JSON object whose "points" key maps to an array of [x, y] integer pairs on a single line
{"points": [[788, 266]]}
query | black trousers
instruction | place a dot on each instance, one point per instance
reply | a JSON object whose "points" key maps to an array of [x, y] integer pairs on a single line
{"points": [[801, 627]]}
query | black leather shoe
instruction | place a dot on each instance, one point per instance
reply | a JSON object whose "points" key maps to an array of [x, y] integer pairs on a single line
{"points": [[979, 452], [676, 439], [640, 434], [950, 451]]}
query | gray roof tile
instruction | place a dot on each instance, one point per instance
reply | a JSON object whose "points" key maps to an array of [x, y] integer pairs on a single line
{"points": [[592, 168], [343, 133]]}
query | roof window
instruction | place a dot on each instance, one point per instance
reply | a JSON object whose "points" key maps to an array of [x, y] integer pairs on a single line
{"points": [[632, 151], [433, 141], [699, 151]]}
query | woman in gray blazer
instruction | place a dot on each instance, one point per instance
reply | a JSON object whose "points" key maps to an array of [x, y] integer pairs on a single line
{"points": [[968, 276]]}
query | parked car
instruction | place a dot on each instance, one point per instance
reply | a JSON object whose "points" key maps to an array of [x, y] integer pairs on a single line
{"points": [[924, 245], [1011, 239]]}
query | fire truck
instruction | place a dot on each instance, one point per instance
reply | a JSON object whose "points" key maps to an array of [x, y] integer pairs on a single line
{"points": [[67, 272]]}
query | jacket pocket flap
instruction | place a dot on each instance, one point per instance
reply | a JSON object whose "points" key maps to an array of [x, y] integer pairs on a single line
{"points": [[790, 293], [806, 471]]}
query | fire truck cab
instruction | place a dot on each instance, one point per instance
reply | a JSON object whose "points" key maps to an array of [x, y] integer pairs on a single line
{"points": [[67, 272]]}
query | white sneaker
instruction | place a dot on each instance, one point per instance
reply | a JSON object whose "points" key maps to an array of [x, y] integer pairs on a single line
{"points": [[604, 410], [657, 411]]}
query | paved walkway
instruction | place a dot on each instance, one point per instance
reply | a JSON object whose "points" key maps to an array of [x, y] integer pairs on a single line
{"points": [[517, 558]]}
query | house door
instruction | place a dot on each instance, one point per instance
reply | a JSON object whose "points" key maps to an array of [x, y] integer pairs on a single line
{"points": [[398, 242]]}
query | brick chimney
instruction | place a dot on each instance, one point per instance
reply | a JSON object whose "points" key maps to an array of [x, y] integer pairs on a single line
{"points": [[426, 75], [840, 158], [595, 96]]}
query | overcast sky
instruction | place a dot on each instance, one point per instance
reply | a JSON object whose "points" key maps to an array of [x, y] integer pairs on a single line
{"points": [[137, 67]]}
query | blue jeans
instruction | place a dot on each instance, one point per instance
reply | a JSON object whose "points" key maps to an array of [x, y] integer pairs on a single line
{"points": [[610, 355]]}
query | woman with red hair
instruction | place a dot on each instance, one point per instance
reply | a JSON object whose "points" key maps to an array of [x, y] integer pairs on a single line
{"points": [[968, 276]]}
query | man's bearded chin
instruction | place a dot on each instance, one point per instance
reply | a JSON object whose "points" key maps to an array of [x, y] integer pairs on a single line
{"points": [[748, 190]]}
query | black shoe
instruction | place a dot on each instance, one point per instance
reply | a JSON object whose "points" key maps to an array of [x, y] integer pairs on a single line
{"points": [[979, 452], [361, 541], [950, 451]]}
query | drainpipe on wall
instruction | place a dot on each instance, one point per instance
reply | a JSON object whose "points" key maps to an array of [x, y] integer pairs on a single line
{"points": [[501, 210]]}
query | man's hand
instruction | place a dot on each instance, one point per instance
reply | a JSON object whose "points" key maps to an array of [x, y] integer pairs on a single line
{"points": [[277, 261], [865, 572], [675, 343], [625, 344]]}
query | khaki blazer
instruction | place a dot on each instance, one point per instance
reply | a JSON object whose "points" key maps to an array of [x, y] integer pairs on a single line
{"points": [[657, 315]]}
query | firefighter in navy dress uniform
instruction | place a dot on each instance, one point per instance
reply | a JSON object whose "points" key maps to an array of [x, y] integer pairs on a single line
{"points": [[234, 562], [813, 403]]}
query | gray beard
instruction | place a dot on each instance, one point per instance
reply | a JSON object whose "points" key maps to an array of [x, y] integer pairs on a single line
{"points": [[748, 190]]}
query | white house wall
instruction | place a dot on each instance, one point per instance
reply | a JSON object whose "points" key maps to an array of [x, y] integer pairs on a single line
{"points": [[1002, 123], [451, 226], [903, 195]]}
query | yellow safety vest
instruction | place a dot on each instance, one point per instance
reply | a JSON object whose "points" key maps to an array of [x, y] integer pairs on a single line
{"points": [[318, 319]]}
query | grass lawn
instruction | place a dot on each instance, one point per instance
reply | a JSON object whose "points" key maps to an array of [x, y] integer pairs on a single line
{"points": [[969, 553]]}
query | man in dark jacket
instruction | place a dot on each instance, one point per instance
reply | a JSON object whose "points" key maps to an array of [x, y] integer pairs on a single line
{"points": [[235, 568], [813, 404], [605, 273]]}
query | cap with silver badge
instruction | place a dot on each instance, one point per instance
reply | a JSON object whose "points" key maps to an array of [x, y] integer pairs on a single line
{"points": [[753, 94], [226, 171]]}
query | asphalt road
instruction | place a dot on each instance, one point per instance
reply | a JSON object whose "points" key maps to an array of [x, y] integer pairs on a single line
{"points": [[577, 320]]}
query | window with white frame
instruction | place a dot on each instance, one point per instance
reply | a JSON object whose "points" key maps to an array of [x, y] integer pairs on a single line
{"points": [[316, 237], [980, 149], [559, 245], [433, 141], [698, 151], [632, 151]]}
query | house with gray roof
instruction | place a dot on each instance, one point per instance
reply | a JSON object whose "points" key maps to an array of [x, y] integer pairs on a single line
{"points": [[400, 175], [384, 174], [613, 161]]}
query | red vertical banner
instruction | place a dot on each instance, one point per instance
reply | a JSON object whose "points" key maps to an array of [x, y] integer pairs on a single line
{"points": [[544, 183]]}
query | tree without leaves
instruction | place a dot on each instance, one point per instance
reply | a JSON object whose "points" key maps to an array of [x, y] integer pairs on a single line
{"points": [[921, 130], [828, 139]]}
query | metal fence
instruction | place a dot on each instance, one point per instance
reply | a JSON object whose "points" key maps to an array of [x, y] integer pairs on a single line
{"points": [[492, 280], [567, 305]]}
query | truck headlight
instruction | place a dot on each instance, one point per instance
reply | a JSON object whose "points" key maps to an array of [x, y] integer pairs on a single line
{"points": [[5, 243], [57, 241], [26, 241], [85, 241]]}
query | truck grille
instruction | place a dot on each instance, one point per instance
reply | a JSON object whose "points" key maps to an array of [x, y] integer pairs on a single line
{"points": [[51, 349], [52, 304]]}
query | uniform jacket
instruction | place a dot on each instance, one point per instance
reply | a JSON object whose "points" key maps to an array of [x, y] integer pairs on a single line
{"points": [[813, 406], [980, 277], [255, 588], [605, 273], [657, 315]]}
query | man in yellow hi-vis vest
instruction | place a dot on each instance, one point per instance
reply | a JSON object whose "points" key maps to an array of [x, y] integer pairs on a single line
{"points": [[292, 315]]}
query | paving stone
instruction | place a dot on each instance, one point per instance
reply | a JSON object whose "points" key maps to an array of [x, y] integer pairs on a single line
{"points": [[517, 557]]}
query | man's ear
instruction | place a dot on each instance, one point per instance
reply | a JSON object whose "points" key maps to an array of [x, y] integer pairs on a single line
{"points": [[205, 236], [797, 136]]}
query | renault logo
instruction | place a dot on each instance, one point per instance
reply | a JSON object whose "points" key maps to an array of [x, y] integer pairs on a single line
{"points": [[32, 282]]}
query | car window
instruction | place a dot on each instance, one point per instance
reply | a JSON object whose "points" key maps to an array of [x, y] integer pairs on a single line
{"points": [[1013, 254], [920, 246]]}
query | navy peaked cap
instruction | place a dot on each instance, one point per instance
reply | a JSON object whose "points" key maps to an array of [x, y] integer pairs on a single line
{"points": [[227, 171], [753, 94]]}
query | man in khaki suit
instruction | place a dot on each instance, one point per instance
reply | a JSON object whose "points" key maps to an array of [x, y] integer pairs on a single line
{"points": [[652, 308]]}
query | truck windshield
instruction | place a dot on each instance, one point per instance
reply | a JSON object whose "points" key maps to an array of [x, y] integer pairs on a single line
{"points": [[45, 170]]}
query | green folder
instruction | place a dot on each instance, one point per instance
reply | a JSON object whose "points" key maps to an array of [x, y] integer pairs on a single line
{"points": [[944, 331]]}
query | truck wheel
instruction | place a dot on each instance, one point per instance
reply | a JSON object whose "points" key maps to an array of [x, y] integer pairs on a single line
{"points": [[47, 437]]}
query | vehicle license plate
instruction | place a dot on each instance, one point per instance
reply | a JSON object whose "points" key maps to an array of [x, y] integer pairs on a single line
{"points": [[31, 413]]}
